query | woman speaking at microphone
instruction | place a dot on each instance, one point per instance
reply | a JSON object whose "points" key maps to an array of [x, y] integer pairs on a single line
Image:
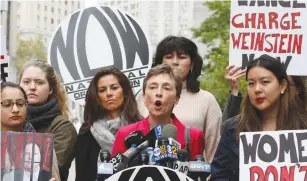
{"points": [[161, 92], [109, 105], [196, 108], [269, 106]]}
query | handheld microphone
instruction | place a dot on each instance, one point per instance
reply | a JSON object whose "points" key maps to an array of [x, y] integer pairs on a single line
{"points": [[134, 138], [198, 169], [153, 135], [132, 152], [169, 131], [182, 164], [165, 152], [104, 169], [150, 152], [115, 160], [143, 158]]}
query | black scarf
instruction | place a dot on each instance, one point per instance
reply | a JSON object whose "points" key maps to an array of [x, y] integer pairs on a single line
{"points": [[42, 114], [27, 127]]}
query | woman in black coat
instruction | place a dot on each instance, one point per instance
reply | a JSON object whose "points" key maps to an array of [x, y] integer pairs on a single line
{"points": [[269, 106], [109, 105]]}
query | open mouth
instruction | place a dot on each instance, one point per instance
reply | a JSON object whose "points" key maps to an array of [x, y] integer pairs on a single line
{"points": [[158, 104]]}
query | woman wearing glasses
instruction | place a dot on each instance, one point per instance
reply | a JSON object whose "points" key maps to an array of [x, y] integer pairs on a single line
{"points": [[13, 114], [13, 108]]}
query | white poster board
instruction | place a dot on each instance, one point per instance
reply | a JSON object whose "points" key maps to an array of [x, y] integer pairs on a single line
{"points": [[277, 28], [4, 63], [273, 156]]}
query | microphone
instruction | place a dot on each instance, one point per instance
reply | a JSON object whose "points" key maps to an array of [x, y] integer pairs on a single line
{"points": [[150, 152], [115, 160], [134, 138], [143, 158], [153, 135], [104, 168], [165, 152], [170, 131], [198, 169], [104, 156], [182, 164], [132, 152]]}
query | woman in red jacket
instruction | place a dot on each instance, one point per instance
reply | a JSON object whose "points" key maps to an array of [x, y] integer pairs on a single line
{"points": [[161, 91]]}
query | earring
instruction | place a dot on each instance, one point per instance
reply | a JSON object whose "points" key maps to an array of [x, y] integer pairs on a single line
{"points": [[282, 92]]}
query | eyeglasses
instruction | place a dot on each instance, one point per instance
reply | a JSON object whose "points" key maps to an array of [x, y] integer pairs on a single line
{"points": [[8, 105]]}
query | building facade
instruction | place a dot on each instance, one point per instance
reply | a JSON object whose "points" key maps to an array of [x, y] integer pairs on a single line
{"points": [[163, 18], [32, 18]]}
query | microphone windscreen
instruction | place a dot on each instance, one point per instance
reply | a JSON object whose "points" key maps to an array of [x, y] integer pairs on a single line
{"points": [[183, 155], [135, 137], [169, 131]]}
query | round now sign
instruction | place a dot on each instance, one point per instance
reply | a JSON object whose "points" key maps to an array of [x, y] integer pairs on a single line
{"points": [[97, 37]]}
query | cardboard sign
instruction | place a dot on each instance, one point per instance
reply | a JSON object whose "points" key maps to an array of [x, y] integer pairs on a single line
{"points": [[273, 156], [277, 28], [97, 37], [26, 155]]}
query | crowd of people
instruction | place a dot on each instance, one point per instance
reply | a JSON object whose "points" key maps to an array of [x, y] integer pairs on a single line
{"points": [[171, 94]]}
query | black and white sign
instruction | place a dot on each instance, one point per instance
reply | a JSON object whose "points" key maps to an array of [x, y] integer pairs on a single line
{"points": [[273, 155], [3, 57], [97, 37], [149, 172]]}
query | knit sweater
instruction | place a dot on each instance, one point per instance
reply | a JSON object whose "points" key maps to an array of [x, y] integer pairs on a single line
{"points": [[198, 110]]}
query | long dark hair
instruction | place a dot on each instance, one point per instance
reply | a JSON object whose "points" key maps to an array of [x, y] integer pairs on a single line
{"points": [[301, 97], [184, 45], [288, 116], [93, 109]]}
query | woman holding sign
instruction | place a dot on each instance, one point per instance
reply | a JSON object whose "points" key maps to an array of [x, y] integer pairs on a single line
{"points": [[13, 114], [268, 106], [109, 105], [48, 111]]}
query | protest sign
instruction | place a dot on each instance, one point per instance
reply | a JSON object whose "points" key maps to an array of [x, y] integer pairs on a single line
{"points": [[97, 37], [273, 156], [26, 155], [274, 27], [3, 56]]}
